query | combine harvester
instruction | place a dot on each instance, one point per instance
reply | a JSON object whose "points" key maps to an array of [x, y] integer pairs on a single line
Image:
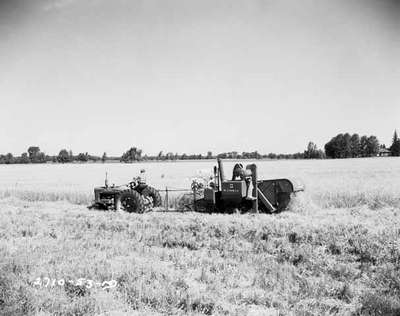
{"points": [[246, 193], [243, 193]]}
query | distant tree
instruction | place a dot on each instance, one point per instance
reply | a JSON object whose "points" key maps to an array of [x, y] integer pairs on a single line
{"points": [[233, 155], [369, 146], [9, 159], [63, 156], [133, 154], [319, 155], [71, 156], [312, 152], [355, 145], [329, 149], [395, 147], [33, 151], [169, 156], [364, 146], [256, 155], [41, 157], [82, 157], [104, 157], [339, 146], [372, 146], [94, 158], [346, 146], [24, 158], [395, 137], [209, 155], [35, 155], [336, 147]]}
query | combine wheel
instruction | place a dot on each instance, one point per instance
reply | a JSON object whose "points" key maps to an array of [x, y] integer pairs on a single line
{"points": [[132, 202], [154, 194], [283, 199]]}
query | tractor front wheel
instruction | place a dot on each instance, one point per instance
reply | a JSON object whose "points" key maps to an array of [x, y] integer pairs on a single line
{"points": [[132, 202]]}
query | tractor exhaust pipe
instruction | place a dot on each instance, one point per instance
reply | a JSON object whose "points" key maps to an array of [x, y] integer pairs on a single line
{"points": [[216, 177], [254, 180], [255, 186], [221, 170]]}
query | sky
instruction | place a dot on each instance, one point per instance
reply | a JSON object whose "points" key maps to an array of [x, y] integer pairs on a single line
{"points": [[191, 76]]}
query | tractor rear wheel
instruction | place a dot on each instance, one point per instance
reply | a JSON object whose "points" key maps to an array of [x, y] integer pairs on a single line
{"points": [[154, 194], [132, 202]]}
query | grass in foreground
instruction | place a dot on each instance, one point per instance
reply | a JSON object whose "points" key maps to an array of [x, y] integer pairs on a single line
{"points": [[307, 261]]}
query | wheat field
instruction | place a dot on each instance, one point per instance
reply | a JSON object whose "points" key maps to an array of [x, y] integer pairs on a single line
{"points": [[335, 251]]}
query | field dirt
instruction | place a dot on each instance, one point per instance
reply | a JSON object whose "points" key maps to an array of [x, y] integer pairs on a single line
{"points": [[306, 261]]}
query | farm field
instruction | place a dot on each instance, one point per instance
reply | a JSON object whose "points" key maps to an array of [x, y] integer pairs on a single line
{"points": [[337, 183], [336, 251]]}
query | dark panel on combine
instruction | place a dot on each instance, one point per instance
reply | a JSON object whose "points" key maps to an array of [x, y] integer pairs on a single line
{"points": [[267, 187], [233, 191], [271, 188]]}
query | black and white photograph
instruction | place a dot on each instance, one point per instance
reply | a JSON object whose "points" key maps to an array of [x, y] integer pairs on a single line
{"points": [[199, 157]]}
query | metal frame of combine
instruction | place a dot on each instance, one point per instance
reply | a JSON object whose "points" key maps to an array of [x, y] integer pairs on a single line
{"points": [[267, 196]]}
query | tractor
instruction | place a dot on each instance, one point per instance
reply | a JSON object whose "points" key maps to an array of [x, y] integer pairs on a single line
{"points": [[134, 197], [246, 193]]}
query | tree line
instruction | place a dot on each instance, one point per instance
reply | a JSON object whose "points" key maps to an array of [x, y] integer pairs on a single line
{"points": [[354, 146], [35, 156], [340, 146], [134, 154]]}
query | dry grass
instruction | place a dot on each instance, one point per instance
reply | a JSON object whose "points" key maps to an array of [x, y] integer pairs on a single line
{"points": [[307, 261], [335, 252], [176, 200], [373, 199], [74, 197]]}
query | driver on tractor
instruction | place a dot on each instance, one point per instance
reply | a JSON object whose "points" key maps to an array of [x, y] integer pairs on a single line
{"points": [[142, 177], [139, 181]]}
